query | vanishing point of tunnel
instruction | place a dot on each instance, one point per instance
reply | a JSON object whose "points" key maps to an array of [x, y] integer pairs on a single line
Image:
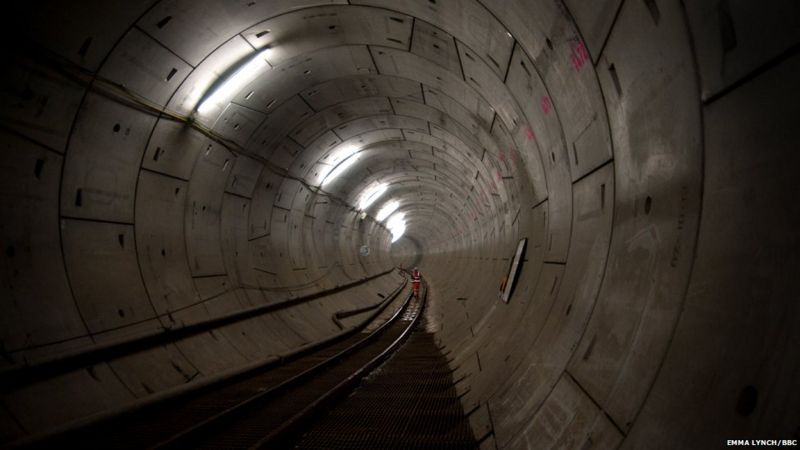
{"points": [[601, 197]]}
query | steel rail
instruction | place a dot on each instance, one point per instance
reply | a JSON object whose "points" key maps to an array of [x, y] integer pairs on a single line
{"points": [[182, 439]]}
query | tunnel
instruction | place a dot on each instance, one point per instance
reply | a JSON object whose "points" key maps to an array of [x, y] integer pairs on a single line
{"points": [[601, 197]]}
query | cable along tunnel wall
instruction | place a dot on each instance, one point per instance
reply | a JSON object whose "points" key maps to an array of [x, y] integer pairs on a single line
{"points": [[644, 148]]}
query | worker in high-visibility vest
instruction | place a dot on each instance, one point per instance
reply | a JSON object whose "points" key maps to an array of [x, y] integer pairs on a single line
{"points": [[416, 279]]}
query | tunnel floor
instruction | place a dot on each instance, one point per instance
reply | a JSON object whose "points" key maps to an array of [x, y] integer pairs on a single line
{"points": [[409, 402]]}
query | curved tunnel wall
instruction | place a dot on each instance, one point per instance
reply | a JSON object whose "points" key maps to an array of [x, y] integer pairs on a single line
{"points": [[644, 149]]}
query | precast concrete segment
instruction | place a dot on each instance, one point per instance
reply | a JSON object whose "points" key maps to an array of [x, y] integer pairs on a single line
{"points": [[644, 148]]}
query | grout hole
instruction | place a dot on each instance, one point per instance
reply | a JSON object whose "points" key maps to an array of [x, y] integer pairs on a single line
{"points": [[161, 23], [171, 73], [332, 27], [648, 203], [157, 154], [654, 12], [85, 46], [79, 197], [121, 313], [121, 240], [615, 79], [549, 43], [524, 67], [37, 169], [748, 399], [163, 252], [116, 128], [602, 196], [726, 28]]}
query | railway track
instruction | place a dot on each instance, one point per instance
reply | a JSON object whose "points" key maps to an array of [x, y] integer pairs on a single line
{"points": [[266, 410]]}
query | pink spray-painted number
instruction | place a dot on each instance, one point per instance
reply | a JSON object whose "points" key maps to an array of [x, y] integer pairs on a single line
{"points": [[579, 56], [547, 105]]}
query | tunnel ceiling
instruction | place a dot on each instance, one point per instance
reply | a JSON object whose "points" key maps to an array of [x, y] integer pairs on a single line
{"points": [[420, 93], [382, 81]]}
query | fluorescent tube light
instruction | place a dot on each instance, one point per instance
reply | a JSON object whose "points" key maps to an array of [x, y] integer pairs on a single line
{"points": [[338, 170], [371, 195], [387, 210], [244, 75]]}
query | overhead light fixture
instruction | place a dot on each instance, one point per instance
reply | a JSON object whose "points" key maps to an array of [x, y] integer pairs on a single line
{"points": [[387, 210], [339, 169], [342, 155], [240, 78], [371, 195], [396, 220], [397, 233], [397, 226]]}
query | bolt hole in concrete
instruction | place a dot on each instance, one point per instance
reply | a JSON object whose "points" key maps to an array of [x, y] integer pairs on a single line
{"points": [[37, 170], [748, 399], [648, 203], [85, 46]]}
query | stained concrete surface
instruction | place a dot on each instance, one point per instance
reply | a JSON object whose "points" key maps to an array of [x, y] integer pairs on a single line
{"points": [[645, 148]]}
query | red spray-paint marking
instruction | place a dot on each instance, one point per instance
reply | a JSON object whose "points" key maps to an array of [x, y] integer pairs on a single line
{"points": [[529, 134], [579, 56], [547, 105]]}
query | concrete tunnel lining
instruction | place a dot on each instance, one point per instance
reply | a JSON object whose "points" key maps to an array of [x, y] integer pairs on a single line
{"points": [[644, 148]]}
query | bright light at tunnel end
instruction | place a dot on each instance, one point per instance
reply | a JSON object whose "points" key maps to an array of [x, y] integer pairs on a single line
{"points": [[240, 78]]}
